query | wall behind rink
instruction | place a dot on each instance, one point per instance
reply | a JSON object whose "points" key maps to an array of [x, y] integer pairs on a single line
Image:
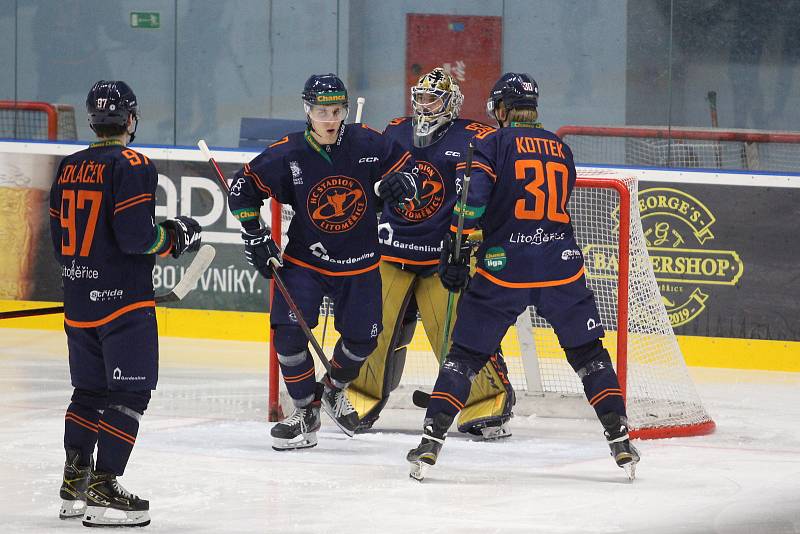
{"points": [[724, 249]]}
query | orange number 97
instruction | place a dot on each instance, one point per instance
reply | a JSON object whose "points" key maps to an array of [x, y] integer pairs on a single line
{"points": [[69, 207], [553, 197]]}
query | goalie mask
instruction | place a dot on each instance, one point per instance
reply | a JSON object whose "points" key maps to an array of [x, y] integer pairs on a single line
{"points": [[435, 100]]}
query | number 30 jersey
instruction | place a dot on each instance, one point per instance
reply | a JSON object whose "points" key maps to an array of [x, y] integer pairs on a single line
{"points": [[521, 181], [102, 208]]}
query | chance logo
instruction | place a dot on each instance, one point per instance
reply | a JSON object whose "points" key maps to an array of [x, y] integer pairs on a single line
{"points": [[495, 259], [687, 266], [431, 197], [336, 204]]}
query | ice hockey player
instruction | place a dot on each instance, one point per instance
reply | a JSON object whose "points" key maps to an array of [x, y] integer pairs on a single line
{"points": [[102, 208], [522, 179], [327, 174], [411, 239]]}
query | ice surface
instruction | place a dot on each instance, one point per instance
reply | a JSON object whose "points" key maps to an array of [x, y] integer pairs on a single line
{"points": [[203, 458]]}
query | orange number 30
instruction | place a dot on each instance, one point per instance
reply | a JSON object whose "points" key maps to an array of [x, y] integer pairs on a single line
{"points": [[69, 205], [552, 198]]}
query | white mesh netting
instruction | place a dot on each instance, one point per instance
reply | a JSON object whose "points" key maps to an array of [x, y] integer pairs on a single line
{"points": [[685, 147], [661, 397]]}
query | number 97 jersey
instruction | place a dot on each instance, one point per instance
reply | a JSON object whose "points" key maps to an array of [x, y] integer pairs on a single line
{"points": [[521, 181], [102, 206]]}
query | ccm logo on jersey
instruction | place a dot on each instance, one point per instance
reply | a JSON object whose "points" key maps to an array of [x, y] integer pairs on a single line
{"points": [[369, 159], [452, 153]]}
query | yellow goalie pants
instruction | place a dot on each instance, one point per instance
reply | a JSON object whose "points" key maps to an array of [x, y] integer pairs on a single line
{"points": [[491, 397]]}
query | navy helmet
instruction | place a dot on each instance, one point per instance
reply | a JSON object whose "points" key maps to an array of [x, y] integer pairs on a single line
{"points": [[516, 90], [324, 89], [110, 103]]}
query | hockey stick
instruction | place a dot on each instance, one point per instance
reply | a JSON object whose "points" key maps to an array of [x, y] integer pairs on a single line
{"points": [[712, 105], [201, 144], [188, 281], [419, 397], [359, 108]]}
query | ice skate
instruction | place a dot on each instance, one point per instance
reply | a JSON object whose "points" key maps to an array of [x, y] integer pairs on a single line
{"points": [[426, 453], [73, 488], [108, 504], [299, 430], [338, 407], [490, 432], [623, 452]]}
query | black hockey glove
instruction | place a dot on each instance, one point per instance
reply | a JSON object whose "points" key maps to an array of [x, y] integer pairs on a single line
{"points": [[261, 251], [454, 274], [397, 188], [184, 234]]}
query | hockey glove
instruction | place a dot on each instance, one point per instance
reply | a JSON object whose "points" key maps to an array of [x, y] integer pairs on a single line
{"points": [[454, 274], [261, 251], [184, 235], [397, 188]]}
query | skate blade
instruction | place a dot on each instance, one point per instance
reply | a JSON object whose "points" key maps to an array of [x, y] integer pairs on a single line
{"points": [[72, 509], [630, 470], [494, 433], [418, 470], [304, 441], [100, 516]]}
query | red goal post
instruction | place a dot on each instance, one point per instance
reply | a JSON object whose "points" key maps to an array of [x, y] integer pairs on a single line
{"points": [[686, 147], [659, 393], [36, 120]]}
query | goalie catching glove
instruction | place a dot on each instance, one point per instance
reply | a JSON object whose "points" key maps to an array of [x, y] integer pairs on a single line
{"points": [[453, 273], [261, 251], [184, 235], [397, 188]]}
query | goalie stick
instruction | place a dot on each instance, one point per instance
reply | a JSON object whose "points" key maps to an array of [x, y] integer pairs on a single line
{"points": [[276, 277], [199, 264], [419, 397]]}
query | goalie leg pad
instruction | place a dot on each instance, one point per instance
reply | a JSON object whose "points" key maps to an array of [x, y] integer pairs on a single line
{"points": [[431, 298], [490, 402], [381, 372], [593, 365]]}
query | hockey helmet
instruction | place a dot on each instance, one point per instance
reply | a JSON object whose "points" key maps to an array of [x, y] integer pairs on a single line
{"points": [[110, 103], [324, 90], [515, 91], [436, 100]]}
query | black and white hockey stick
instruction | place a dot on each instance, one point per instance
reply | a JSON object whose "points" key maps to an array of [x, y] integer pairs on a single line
{"points": [[419, 397], [359, 108], [276, 277], [199, 264]]}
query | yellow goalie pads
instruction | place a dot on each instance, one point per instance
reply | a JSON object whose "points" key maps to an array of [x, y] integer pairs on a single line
{"points": [[491, 396]]}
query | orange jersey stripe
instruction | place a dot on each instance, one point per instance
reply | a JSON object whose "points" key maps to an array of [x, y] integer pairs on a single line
{"points": [[84, 425], [133, 198], [399, 164], [280, 142], [330, 273], [300, 377], [113, 431], [523, 285], [465, 231], [605, 393], [256, 180], [126, 206], [392, 259], [110, 317]]}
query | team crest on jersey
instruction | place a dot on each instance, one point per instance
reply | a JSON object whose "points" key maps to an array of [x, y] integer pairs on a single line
{"points": [[297, 174], [431, 196], [336, 204]]}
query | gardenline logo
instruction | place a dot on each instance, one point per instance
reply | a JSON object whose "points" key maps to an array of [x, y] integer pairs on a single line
{"points": [[678, 234]]}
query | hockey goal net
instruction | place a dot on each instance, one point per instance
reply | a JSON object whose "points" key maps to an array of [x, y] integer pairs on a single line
{"points": [[659, 146], [660, 395], [37, 121]]}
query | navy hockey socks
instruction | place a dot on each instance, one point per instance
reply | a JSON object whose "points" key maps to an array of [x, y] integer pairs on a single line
{"points": [[117, 428], [452, 387], [298, 375], [80, 431], [600, 383]]}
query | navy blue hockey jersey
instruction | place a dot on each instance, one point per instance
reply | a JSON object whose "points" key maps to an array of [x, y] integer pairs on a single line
{"points": [[521, 181], [413, 234], [102, 208], [334, 229]]}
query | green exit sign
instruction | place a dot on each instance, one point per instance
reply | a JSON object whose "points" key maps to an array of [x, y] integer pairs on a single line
{"points": [[145, 19]]}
